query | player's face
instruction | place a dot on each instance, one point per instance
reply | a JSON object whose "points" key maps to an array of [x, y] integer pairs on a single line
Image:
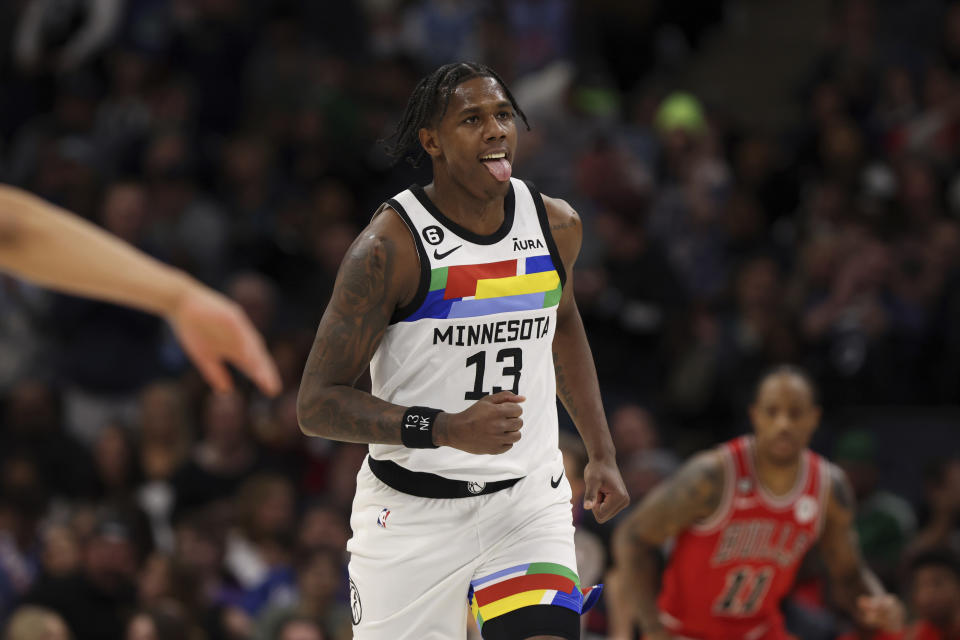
{"points": [[936, 594], [784, 418], [476, 139]]}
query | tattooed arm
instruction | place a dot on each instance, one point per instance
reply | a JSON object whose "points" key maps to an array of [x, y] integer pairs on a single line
{"points": [[691, 495], [576, 375], [379, 274], [375, 277], [855, 588]]}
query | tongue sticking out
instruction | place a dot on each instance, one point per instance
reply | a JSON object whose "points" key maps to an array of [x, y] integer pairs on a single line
{"points": [[500, 169]]}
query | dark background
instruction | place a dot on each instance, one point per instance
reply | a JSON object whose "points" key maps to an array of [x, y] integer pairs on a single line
{"points": [[759, 181]]}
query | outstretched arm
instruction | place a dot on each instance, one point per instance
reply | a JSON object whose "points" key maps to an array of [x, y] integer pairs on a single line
{"points": [[577, 385], [855, 588], [690, 495], [53, 248], [379, 274]]}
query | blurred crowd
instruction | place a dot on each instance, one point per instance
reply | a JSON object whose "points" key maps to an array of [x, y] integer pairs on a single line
{"points": [[240, 141]]}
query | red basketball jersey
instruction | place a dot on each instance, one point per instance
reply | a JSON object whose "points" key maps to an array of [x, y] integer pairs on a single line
{"points": [[727, 574]]}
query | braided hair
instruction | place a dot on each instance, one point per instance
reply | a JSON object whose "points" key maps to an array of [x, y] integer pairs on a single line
{"points": [[429, 101]]}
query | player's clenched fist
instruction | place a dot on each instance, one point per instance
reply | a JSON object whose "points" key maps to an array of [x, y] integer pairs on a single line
{"points": [[490, 425]]}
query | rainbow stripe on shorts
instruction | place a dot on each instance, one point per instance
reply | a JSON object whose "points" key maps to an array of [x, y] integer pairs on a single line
{"points": [[525, 585]]}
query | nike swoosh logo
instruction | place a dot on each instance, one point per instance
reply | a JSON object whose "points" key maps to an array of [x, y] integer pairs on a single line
{"points": [[441, 256], [556, 483]]}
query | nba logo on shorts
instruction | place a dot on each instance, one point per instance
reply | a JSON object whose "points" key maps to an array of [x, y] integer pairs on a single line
{"points": [[476, 487], [382, 518]]}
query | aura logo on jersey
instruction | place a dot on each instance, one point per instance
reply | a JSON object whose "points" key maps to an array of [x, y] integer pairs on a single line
{"points": [[472, 290], [520, 245]]}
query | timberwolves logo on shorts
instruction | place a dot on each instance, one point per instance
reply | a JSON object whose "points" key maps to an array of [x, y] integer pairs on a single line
{"points": [[355, 609], [476, 487]]}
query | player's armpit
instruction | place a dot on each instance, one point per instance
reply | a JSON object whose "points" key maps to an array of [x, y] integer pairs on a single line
{"points": [[374, 279]]}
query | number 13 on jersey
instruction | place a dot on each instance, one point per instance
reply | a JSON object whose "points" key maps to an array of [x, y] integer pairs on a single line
{"points": [[479, 360]]}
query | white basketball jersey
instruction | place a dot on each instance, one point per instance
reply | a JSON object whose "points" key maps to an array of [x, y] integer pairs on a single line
{"points": [[482, 321]]}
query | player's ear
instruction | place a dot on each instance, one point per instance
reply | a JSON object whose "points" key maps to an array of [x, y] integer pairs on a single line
{"points": [[430, 141]]}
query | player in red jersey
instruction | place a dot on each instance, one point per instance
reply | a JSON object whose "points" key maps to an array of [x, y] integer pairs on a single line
{"points": [[743, 516]]}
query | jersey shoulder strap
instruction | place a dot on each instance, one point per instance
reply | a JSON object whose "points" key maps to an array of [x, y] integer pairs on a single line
{"points": [[740, 450], [818, 486], [404, 204]]}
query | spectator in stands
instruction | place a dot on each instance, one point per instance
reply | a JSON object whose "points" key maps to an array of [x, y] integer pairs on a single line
{"points": [[317, 599], [117, 466], [941, 509], [33, 424], [935, 589], [323, 526], [934, 586], [165, 444], [222, 459], [36, 623], [96, 600], [885, 522], [300, 629], [161, 624], [259, 546]]}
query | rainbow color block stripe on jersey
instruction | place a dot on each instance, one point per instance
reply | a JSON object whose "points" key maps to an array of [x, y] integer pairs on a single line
{"points": [[525, 585], [471, 290]]}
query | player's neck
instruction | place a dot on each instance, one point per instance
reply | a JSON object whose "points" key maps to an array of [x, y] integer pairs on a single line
{"points": [[777, 478], [480, 214]]}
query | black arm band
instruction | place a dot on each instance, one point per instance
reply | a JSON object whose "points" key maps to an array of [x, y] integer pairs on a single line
{"points": [[416, 429]]}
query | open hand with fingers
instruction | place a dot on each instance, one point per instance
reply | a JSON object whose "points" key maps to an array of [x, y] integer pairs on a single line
{"points": [[214, 331], [491, 425]]}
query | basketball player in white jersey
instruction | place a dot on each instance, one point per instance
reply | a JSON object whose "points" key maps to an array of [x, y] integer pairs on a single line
{"points": [[54, 248], [459, 297]]}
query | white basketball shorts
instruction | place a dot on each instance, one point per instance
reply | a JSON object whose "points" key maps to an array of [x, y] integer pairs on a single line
{"points": [[416, 563]]}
